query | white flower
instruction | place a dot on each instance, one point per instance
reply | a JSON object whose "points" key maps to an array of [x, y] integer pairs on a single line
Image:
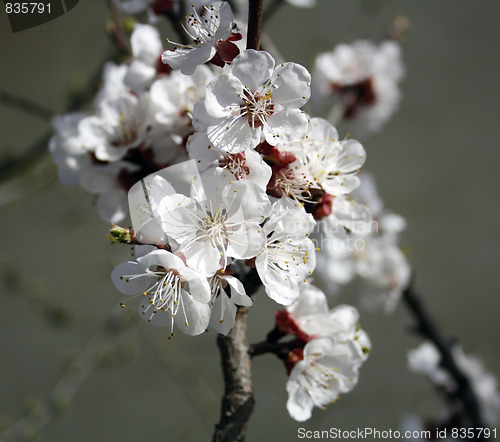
{"points": [[171, 104], [67, 149], [77, 166], [329, 367], [146, 50], [426, 360], [331, 163], [210, 34], [218, 221], [247, 164], [254, 98], [312, 317], [483, 383], [113, 83], [347, 213], [171, 291], [363, 78], [227, 292], [289, 255], [118, 127]]}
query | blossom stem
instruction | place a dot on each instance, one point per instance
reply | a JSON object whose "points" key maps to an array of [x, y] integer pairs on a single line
{"points": [[281, 349], [255, 8], [427, 328]]}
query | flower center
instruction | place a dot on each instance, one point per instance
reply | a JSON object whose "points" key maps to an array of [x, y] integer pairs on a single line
{"points": [[236, 164], [257, 106]]}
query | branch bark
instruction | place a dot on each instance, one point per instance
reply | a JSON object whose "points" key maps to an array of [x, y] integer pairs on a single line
{"points": [[254, 23], [238, 401], [427, 328]]}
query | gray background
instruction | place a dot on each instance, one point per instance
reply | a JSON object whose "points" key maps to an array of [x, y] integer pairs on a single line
{"points": [[436, 164]]}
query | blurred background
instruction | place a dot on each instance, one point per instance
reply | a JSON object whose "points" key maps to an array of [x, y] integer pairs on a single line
{"points": [[436, 163]]}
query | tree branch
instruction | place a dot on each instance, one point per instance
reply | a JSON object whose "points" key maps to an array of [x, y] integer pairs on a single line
{"points": [[116, 30], [238, 400], [254, 23], [427, 328], [26, 106]]}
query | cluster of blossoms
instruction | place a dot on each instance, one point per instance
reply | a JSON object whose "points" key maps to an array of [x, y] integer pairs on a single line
{"points": [[360, 84], [372, 254], [226, 174], [426, 360], [329, 349], [141, 120]]}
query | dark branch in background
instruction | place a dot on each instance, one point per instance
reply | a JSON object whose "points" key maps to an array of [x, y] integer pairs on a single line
{"points": [[28, 158], [177, 22], [26, 106], [15, 165], [72, 380], [254, 23], [116, 30], [428, 329]]}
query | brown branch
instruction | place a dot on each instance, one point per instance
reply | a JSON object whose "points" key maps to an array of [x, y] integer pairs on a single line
{"points": [[427, 328], [26, 106], [254, 23], [280, 349], [116, 30], [238, 400]]}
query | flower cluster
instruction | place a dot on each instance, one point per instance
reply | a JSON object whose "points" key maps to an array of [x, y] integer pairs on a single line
{"points": [[329, 350], [141, 120], [426, 360], [228, 177], [360, 83], [371, 252]]}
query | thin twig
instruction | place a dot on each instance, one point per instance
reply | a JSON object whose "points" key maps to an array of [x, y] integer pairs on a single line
{"points": [[427, 328], [72, 379], [13, 166], [27, 106], [183, 374], [117, 31]]}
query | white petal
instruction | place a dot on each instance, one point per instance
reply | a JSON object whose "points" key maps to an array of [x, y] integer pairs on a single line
{"points": [[146, 43], [197, 316], [253, 68], [233, 134], [238, 293], [223, 314], [125, 283], [175, 59], [223, 96], [292, 82], [198, 284], [285, 127]]}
